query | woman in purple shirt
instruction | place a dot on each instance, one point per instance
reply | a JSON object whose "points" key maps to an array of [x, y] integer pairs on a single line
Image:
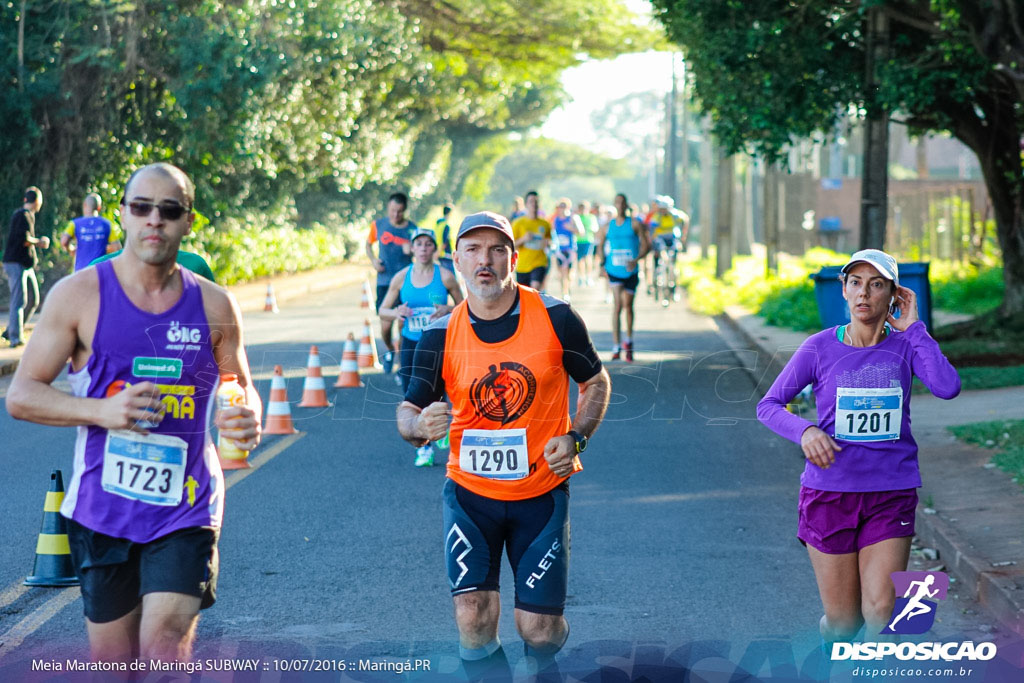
{"points": [[858, 491]]}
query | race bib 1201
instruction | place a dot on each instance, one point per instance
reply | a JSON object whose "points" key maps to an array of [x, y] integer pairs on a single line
{"points": [[495, 453], [868, 414]]}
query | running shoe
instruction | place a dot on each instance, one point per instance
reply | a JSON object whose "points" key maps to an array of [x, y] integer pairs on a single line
{"points": [[616, 353], [628, 347], [387, 361], [3, 335], [424, 456]]}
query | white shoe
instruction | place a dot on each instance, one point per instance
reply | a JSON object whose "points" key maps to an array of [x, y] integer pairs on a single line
{"points": [[424, 456]]}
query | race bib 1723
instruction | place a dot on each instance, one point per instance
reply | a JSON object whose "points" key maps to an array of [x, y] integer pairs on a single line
{"points": [[147, 468]]}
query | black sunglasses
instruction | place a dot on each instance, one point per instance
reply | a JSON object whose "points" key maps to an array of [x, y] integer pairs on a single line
{"points": [[168, 212]]}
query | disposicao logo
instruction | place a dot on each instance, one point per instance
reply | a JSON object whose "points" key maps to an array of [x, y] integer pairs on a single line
{"points": [[913, 614]]}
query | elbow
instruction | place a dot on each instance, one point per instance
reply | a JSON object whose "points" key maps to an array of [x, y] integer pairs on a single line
{"points": [[949, 392], [15, 403], [765, 408]]}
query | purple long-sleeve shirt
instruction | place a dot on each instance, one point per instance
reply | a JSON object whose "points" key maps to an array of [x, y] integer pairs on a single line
{"points": [[873, 387]]}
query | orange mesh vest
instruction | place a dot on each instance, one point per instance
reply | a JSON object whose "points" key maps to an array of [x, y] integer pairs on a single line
{"points": [[520, 382]]}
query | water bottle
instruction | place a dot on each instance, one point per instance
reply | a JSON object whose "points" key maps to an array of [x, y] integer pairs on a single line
{"points": [[230, 395]]}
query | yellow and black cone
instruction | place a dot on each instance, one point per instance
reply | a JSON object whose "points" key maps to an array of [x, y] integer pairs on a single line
{"points": [[53, 555]]}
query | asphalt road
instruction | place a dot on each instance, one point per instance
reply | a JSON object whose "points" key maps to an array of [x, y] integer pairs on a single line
{"points": [[683, 522]]}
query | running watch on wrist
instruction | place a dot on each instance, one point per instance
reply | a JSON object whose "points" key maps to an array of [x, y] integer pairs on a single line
{"points": [[581, 441]]}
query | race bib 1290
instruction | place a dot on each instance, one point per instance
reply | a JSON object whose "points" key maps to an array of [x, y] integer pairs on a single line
{"points": [[495, 453]]}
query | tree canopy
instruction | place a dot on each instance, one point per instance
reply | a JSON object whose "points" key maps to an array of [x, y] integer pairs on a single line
{"points": [[772, 72], [269, 104]]}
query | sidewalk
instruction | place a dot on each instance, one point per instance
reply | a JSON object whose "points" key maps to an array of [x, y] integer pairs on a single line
{"points": [[974, 519], [251, 296]]}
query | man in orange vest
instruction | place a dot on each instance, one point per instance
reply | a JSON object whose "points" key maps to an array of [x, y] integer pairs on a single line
{"points": [[505, 357]]}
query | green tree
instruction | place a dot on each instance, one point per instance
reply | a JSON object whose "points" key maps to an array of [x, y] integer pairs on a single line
{"points": [[535, 162], [774, 71]]}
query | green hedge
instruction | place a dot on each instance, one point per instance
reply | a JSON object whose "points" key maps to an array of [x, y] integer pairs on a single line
{"points": [[239, 251]]}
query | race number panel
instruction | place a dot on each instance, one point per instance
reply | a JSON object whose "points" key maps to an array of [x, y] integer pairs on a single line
{"points": [[621, 257], [147, 468], [420, 319], [495, 453], [869, 414]]}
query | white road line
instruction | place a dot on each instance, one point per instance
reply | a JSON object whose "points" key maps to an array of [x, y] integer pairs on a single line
{"points": [[12, 593], [23, 629]]}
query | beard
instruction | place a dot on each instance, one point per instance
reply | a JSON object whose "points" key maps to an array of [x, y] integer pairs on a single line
{"points": [[488, 292]]}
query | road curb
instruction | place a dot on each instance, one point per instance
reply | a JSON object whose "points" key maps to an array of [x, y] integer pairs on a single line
{"points": [[1000, 590], [997, 589]]}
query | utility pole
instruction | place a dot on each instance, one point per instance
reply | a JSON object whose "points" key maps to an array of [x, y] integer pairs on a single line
{"points": [[771, 219], [684, 188], [671, 143], [707, 190], [723, 229], [874, 203]]}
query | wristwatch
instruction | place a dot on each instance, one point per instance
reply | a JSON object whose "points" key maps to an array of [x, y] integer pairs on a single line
{"points": [[581, 441]]}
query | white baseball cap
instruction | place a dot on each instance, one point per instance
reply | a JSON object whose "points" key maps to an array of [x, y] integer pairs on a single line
{"points": [[883, 263]]}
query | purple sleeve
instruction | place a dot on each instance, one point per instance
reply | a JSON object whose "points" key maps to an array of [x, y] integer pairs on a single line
{"points": [[930, 365], [798, 373]]}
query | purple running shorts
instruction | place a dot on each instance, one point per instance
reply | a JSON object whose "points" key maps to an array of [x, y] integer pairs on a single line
{"points": [[838, 522]]}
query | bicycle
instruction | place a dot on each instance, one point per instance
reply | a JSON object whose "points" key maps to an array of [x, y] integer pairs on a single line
{"points": [[665, 275]]}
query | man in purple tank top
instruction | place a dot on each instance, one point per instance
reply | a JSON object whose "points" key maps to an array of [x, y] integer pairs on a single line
{"points": [[148, 342]]}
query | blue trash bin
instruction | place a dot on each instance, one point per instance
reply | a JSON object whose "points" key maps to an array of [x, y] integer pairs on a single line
{"points": [[832, 308]]}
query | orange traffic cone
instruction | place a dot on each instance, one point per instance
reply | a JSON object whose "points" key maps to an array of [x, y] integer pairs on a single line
{"points": [[279, 413], [53, 555], [365, 301], [314, 391], [348, 376], [271, 302], [367, 356]]}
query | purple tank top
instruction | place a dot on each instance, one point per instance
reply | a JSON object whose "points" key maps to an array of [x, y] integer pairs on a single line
{"points": [[142, 489]]}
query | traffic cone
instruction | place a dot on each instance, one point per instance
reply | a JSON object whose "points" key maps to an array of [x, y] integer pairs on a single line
{"points": [[314, 391], [279, 413], [365, 301], [348, 375], [271, 302], [53, 555], [367, 357]]}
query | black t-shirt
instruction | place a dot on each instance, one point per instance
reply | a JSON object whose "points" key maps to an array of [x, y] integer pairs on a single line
{"points": [[23, 223], [578, 353]]}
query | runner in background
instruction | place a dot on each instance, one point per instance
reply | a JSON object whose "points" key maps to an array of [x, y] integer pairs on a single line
{"points": [[532, 237], [518, 209], [624, 242], [858, 493], [585, 244], [90, 236], [445, 238], [567, 226], [423, 289], [390, 235]]}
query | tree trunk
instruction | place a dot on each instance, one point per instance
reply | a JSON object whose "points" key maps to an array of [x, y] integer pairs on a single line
{"points": [[1005, 193]]}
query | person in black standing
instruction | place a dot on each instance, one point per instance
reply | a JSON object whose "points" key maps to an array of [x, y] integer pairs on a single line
{"points": [[20, 261]]}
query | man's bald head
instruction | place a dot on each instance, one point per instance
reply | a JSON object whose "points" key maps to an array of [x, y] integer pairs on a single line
{"points": [[188, 188]]}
